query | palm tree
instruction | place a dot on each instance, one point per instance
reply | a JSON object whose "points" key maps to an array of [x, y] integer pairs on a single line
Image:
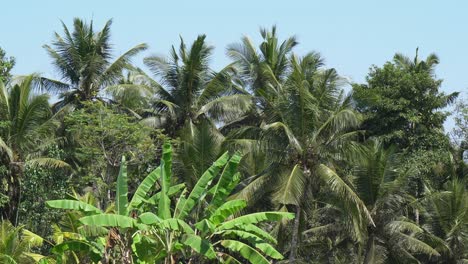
{"points": [[308, 126], [84, 59], [447, 218], [189, 89], [416, 64], [16, 244], [257, 68], [27, 126], [380, 183]]}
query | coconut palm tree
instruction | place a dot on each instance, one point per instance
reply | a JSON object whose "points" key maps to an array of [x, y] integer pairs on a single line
{"points": [[258, 67], [83, 57], [309, 126], [380, 183], [447, 218], [27, 126], [189, 89], [416, 64], [16, 244]]}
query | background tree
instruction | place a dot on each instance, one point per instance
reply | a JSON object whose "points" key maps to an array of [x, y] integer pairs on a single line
{"points": [[83, 57], [6, 64], [27, 129], [97, 137], [190, 89], [402, 103]]}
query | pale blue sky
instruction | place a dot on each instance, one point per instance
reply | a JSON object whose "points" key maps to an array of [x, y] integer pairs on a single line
{"points": [[351, 35]]}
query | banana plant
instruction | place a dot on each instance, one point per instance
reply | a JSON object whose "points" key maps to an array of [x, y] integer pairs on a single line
{"points": [[199, 225]]}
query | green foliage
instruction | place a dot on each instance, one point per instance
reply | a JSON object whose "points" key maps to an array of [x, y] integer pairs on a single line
{"points": [[6, 64], [98, 136], [86, 75], [402, 103], [370, 176], [168, 231], [16, 244]]}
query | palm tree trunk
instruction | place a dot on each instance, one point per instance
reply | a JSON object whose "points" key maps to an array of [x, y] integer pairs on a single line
{"points": [[14, 191], [369, 250], [295, 235]]}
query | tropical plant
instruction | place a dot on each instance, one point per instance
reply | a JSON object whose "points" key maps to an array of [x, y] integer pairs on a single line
{"points": [[195, 225], [308, 124], [190, 89], [402, 103], [447, 219], [84, 59], [27, 125], [380, 183], [16, 244]]}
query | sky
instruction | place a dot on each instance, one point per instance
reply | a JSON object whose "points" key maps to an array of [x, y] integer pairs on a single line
{"points": [[350, 35]]}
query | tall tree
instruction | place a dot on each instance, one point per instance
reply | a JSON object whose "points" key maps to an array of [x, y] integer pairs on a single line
{"points": [[6, 64], [402, 102], [308, 125], [84, 59], [191, 89], [25, 132]]}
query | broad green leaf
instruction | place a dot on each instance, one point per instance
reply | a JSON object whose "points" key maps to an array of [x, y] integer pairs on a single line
{"points": [[249, 253], [173, 190], [73, 205], [257, 231], [222, 190], [255, 218], [80, 246], [149, 218], [201, 187], [33, 239], [200, 245], [144, 187], [112, 220], [37, 257], [205, 226], [175, 225], [227, 209], [164, 210], [122, 189], [257, 242], [167, 158]]}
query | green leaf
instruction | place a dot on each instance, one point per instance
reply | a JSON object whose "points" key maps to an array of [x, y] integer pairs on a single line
{"points": [[257, 231], [173, 190], [144, 187], [249, 253], [256, 241], [221, 189], [227, 209], [343, 190], [112, 220], [77, 246], [164, 210], [149, 218], [175, 225], [200, 187], [291, 188], [167, 157], [255, 218], [205, 226], [122, 189], [73, 205], [200, 245]]}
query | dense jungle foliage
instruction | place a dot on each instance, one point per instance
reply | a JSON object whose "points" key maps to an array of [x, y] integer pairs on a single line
{"points": [[267, 160]]}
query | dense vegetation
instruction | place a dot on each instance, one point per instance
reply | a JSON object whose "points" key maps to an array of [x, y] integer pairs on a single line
{"points": [[267, 160]]}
